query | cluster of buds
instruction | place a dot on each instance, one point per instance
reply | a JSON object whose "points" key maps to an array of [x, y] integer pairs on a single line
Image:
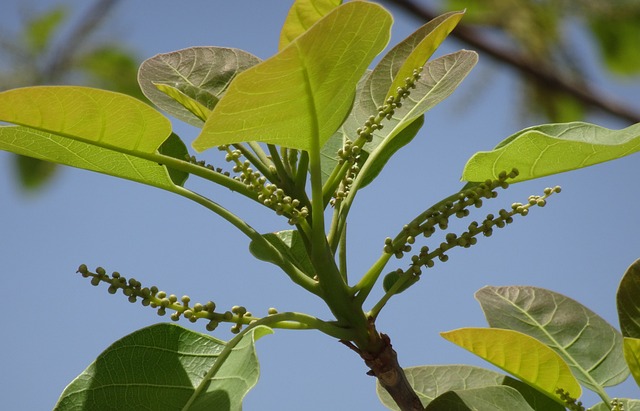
{"points": [[571, 403], [350, 152], [438, 216], [268, 194], [161, 302], [202, 163]]}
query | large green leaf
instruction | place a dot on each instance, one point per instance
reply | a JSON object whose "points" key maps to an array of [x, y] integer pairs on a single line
{"points": [[302, 15], [498, 398], [431, 381], [289, 244], [553, 148], [520, 355], [300, 96], [162, 367], [632, 356], [201, 73], [628, 302], [103, 118], [591, 347], [50, 147]]}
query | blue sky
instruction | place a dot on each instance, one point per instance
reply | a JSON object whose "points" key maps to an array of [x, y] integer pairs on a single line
{"points": [[55, 323]]}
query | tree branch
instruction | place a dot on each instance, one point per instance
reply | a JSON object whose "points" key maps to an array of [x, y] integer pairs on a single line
{"points": [[542, 75]]}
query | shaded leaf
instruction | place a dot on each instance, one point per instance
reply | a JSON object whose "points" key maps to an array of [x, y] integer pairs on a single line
{"points": [[160, 367], [299, 97], [552, 148], [302, 15], [290, 245], [632, 356], [591, 347], [104, 118], [499, 398], [175, 147], [201, 73], [431, 381], [33, 173], [393, 277], [62, 150], [520, 355], [628, 303]]}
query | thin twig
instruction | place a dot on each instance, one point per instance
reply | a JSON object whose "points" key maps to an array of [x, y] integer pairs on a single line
{"points": [[544, 76]]}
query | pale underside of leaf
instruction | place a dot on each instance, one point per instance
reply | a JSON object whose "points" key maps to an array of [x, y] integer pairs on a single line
{"points": [[498, 398], [591, 346], [553, 148], [628, 302]]}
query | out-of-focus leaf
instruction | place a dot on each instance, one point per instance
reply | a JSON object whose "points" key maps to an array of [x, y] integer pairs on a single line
{"points": [[498, 398], [632, 356], [591, 347], [430, 381], [162, 367], [99, 117], [520, 355], [552, 148], [299, 97], [62, 150], [628, 302], [618, 37], [201, 73], [302, 15], [33, 173], [290, 245], [40, 30]]}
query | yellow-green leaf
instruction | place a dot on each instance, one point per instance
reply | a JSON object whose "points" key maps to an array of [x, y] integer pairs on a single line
{"points": [[103, 118], [520, 355], [299, 97], [632, 356], [194, 107], [302, 15]]}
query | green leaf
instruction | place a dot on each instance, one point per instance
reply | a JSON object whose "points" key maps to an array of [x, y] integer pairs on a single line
{"points": [[194, 106], [632, 356], [393, 277], [201, 73], [62, 150], [290, 245], [616, 34], [591, 347], [499, 398], [431, 381], [40, 31], [299, 97], [439, 79], [103, 118], [160, 367], [175, 147], [302, 15], [627, 301], [553, 148], [629, 405], [33, 173], [520, 355]]}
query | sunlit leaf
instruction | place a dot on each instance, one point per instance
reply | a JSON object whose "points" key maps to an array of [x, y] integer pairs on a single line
{"points": [[628, 302], [498, 398], [103, 118], [628, 404], [162, 367], [591, 347], [201, 73], [62, 150], [302, 15], [520, 355], [289, 244], [193, 106], [553, 148], [632, 356], [300, 96], [431, 381]]}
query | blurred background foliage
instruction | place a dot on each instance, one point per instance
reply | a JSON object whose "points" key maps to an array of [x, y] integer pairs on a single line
{"points": [[532, 36]]}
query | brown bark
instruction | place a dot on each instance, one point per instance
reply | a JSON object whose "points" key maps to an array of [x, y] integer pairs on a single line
{"points": [[384, 365]]}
